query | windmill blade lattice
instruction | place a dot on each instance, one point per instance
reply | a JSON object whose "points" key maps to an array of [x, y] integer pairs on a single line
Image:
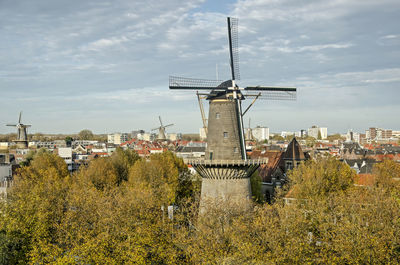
{"points": [[176, 82], [273, 93], [234, 47]]}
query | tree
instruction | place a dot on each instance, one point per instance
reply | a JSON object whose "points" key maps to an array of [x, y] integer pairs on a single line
{"points": [[165, 175], [334, 137], [68, 140], [33, 209], [122, 161], [387, 177], [321, 177], [255, 181], [289, 137], [277, 137], [85, 135], [97, 217]]}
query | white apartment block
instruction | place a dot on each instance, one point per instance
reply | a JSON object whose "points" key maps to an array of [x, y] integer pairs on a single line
{"points": [[314, 131], [261, 133], [396, 134], [117, 138]]}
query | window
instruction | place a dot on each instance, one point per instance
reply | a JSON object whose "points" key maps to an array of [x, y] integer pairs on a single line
{"points": [[235, 150], [289, 165], [217, 115], [225, 134]]}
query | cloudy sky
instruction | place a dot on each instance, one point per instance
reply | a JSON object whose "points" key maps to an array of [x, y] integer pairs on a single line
{"points": [[104, 65]]}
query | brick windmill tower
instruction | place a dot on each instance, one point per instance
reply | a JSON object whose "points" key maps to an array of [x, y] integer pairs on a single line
{"points": [[226, 170], [22, 136]]}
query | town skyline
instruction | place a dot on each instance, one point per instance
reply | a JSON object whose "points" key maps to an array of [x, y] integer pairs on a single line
{"points": [[72, 66]]}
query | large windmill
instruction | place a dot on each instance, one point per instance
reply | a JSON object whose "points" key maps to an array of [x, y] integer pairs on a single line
{"points": [[161, 130], [225, 157], [22, 136]]}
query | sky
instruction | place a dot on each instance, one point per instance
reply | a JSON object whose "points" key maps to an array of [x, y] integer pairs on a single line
{"points": [[104, 65]]}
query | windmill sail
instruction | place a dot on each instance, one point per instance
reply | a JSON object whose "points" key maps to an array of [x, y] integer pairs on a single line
{"points": [[176, 82], [233, 47], [22, 136]]}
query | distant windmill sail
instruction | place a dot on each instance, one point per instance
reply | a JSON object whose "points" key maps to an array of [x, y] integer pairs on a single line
{"points": [[161, 130]]}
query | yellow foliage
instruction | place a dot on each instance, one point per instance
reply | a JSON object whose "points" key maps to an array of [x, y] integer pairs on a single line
{"points": [[96, 217]]}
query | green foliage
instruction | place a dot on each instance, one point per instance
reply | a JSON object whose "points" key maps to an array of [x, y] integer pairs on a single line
{"points": [[319, 135], [191, 137], [277, 137], [289, 137], [28, 158], [310, 141], [165, 175], [387, 178], [321, 177], [255, 181], [103, 216], [9, 137], [85, 135], [108, 172], [68, 140], [334, 137]]}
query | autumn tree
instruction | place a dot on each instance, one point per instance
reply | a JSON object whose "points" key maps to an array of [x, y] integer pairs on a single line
{"points": [[85, 135], [110, 213], [321, 177], [165, 175], [33, 209]]}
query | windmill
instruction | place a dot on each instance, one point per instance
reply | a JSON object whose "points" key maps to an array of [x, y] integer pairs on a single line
{"points": [[226, 170], [225, 122], [161, 130], [22, 136]]}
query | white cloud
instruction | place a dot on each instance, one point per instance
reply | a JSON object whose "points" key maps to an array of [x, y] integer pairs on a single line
{"points": [[105, 43], [116, 56]]}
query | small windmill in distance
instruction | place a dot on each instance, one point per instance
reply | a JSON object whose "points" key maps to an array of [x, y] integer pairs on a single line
{"points": [[161, 130], [22, 136]]}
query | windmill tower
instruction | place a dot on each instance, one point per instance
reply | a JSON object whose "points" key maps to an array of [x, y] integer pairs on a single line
{"points": [[226, 170], [161, 130], [22, 136]]}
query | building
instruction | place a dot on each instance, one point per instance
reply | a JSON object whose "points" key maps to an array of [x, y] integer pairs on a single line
{"points": [[174, 136], [134, 134], [320, 133], [378, 134], [117, 138], [66, 154], [190, 151], [261, 133], [5, 145], [273, 174], [7, 169]]}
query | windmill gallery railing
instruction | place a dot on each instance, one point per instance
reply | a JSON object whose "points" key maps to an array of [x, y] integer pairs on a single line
{"points": [[226, 169]]}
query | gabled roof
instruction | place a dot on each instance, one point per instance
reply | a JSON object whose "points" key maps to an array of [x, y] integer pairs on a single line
{"points": [[274, 159], [293, 151]]}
